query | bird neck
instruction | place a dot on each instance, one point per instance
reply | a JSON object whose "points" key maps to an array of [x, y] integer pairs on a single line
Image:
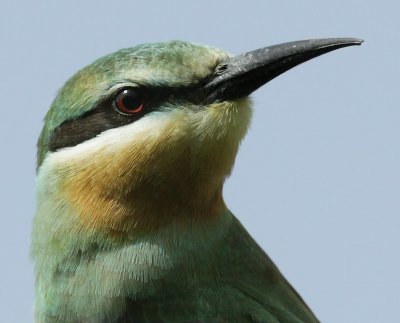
{"points": [[116, 209]]}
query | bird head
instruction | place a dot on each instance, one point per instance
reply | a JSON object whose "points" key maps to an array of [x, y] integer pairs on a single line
{"points": [[146, 136]]}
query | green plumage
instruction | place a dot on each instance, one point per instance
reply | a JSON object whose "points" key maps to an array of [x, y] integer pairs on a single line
{"points": [[234, 281], [224, 276], [130, 225]]}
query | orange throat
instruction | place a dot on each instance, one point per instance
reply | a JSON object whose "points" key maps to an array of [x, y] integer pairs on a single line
{"points": [[114, 207]]}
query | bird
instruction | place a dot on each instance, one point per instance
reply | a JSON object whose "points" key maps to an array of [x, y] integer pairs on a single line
{"points": [[130, 222]]}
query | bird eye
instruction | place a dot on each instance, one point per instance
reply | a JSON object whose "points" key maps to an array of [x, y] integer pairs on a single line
{"points": [[129, 101]]}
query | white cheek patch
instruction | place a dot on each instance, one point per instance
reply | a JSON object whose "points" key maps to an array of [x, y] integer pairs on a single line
{"points": [[113, 140]]}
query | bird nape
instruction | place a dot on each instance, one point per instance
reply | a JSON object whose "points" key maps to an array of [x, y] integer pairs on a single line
{"points": [[130, 222]]}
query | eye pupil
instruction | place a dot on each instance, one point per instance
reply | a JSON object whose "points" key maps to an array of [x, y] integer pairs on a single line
{"points": [[129, 101]]}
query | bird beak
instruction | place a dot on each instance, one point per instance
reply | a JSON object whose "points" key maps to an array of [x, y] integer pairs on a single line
{"points": [[241, 75]]}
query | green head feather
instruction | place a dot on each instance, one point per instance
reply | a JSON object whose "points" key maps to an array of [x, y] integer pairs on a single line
{"points": [[172, 64]]}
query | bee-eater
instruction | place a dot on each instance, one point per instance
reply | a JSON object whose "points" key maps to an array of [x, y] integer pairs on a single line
{"points": [[130, 222]]}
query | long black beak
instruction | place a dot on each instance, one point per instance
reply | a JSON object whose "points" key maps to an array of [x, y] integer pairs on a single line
{"points": [[245, 73]]}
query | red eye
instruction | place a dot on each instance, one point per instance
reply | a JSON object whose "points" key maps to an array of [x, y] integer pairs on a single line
{"points": [[129, 101]]}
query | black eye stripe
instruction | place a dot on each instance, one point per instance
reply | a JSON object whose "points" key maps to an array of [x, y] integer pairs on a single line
{"points": [[105, 116], [92, 123]]}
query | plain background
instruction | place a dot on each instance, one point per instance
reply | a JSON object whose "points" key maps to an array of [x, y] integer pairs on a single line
{"points": [[317, 179]]}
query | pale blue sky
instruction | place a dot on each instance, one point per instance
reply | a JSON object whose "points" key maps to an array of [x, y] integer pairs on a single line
{"points": [[317, 180]]}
